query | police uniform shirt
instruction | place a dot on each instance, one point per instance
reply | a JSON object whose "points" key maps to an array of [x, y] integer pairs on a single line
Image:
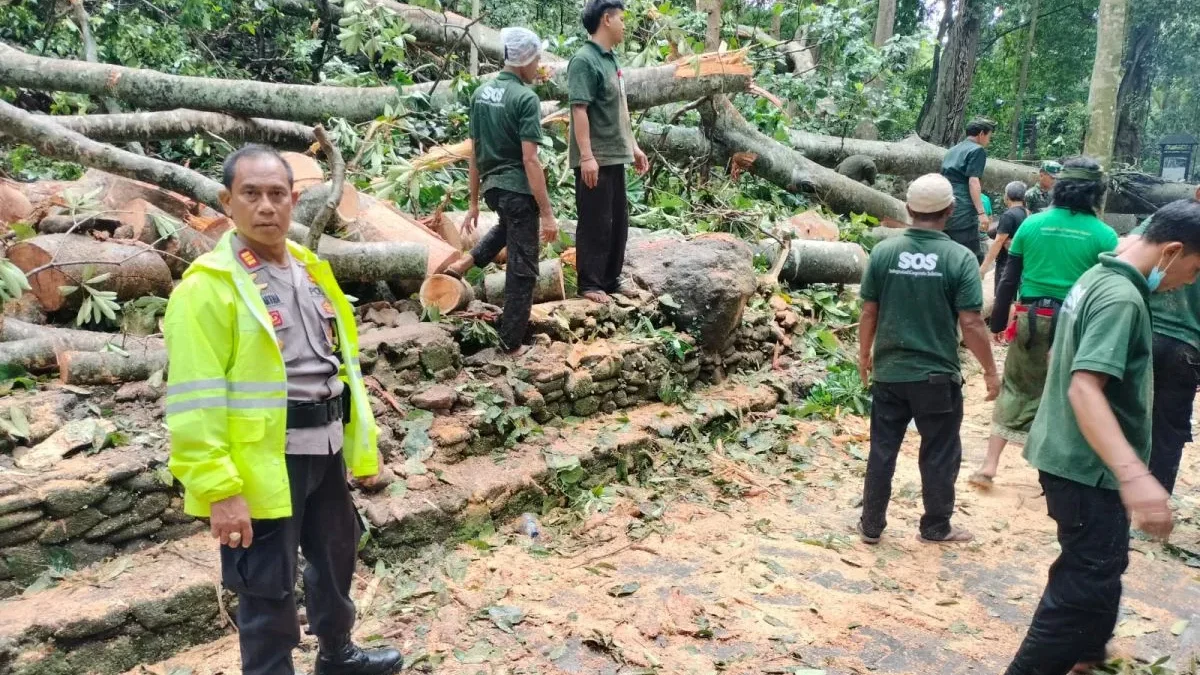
{"points": [[302, 318]]}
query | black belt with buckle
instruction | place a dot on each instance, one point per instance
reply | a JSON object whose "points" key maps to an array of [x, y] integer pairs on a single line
{"points": [[312, 414]]}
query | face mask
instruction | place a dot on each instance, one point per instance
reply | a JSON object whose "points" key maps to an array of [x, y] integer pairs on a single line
{"points": [[1157, 274]]}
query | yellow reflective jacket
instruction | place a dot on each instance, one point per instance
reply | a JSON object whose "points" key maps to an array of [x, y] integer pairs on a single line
{"points": [[227, 388]]}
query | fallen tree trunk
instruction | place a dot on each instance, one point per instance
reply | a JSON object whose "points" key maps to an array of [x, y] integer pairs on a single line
{"points": [[60, 224], [183, 123], [818, 262], [378, 221], [35, 347], [549, 286], [732, 139], [403, 263], [58, 142], [90, 368], [1132, 192], [52, 261], [798, 55], [704, 75], [909, 158]]}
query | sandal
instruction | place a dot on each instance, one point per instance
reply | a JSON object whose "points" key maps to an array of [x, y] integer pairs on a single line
{"points": [[981, 480], [956, 536]]}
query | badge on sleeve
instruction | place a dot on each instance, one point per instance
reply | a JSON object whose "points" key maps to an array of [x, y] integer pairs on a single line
{"points": [[276, 318]]}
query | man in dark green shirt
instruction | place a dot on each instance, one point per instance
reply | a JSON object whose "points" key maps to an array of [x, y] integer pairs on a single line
{"points": [[918, 287], [1037, 198], [1091, 439], [1175, 320], [601, 145], [963, 165], [505, 132]]}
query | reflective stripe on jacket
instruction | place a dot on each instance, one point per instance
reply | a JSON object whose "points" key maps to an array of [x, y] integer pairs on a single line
{"points": [[226, 405]]}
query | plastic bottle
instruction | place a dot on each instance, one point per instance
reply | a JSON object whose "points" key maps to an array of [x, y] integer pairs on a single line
{"points": [[529, 526]]}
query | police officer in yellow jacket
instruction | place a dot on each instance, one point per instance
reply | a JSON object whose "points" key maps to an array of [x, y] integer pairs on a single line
{"points": [[267, 411]]}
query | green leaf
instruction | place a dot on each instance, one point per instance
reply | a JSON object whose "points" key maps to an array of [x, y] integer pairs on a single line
{"points": [[624, 590], [85, 309], [99, 279], [19, 421], [1178, 627], [23, 231], [505, 616], [667, 300]]}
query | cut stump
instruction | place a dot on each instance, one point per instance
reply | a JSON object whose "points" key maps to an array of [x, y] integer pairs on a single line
{"points": [[134, 271], [446, 293]]}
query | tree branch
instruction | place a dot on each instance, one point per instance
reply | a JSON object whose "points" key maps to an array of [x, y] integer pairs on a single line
{"points": [[91, 55], [184, 123], [338, 170]]}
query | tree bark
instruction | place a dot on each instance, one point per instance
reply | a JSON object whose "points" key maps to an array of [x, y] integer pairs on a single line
{"points": [[401, 263], [931, 88], [645, 87], [56, 260], [52, 140], [1023, 83], [732, 138], [34, 347], [1141, 193], [909, 158], [549, 286], [712, 31], [379, 222], [818, 262], [885, 22], [183, 123], [944, 123], [100, 368], [1106, 80], [1133, 97]]}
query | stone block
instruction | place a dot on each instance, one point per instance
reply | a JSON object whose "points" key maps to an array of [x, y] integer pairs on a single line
{"points": [[67, 497], [85, 628], [436, 397], [85, 553], [586, 406], [553, 396], [10, 521], [135, 531], [605, 369], [146, 481], [151, 505], [196, 603], [22, 534], [579, 385], [70, 527], [18, 502], [118, 501], [605, 387]]}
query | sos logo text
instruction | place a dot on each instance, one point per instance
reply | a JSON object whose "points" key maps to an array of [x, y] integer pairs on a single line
{"points": [[917, 261], [491, 95]]}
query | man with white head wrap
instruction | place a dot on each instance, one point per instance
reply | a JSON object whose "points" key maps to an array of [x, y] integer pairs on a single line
{"points": [[506, 131]]}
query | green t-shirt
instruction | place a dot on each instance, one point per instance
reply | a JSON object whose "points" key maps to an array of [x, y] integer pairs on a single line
{"points": [[1057, 247], [594, 79], [504, 112], [1037, 199], [1104, 327], [961, 163], [1176, 313], [921, 279]]}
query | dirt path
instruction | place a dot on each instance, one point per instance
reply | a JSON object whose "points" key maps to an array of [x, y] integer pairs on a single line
{"points": [[757, 570]]}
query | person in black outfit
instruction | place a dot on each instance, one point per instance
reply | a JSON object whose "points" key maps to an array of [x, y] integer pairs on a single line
{"points": [[1006, 228]]}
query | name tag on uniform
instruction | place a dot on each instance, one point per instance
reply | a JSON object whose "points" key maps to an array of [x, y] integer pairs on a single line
{"points": [[271, 299]]}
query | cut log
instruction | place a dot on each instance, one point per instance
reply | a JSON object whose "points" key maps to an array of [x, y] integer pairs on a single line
{"points": [[306, 171], [35, 347], [1140, 193], [88, 368], [549, 286], [57, 260], [446, 293], [62, 224], [818, 262], [14, 205], [403, 265], [184, 123], [379, 221], [140, 220], [313, 198]]}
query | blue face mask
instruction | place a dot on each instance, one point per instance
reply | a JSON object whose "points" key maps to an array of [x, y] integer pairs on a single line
{"points": [[1157, 274]]}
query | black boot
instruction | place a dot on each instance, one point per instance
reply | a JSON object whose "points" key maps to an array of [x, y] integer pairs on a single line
{"points": [[340, 656]]}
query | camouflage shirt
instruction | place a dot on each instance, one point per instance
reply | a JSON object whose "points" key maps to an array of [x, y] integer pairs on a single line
{"points": [[1037, 199]]}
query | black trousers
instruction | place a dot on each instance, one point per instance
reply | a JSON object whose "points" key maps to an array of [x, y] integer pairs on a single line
{"points": [[518, 230], [1078, 611], [324, 526], [603, 230], [1175, 381], [938, 411], [970, 239]]}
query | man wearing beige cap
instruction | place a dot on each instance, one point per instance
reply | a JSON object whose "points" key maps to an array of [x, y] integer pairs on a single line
{"points": [[917, 288]]}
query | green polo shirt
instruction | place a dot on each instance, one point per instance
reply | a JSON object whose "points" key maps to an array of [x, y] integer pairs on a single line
{"points": [[1104, 327], [1057, 247], [961, 163], [504, 112], [594, 79], [921, 279], [1176, 313]]}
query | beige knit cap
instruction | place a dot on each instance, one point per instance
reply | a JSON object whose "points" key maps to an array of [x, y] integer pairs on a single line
{"points": [[930, 193]]}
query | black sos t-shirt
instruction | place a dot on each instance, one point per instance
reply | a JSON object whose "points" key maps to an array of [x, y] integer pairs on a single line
{"points": [[1010, 220]]}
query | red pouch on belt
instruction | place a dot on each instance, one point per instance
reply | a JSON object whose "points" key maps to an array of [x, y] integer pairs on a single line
{"points": [[1010, 333]]}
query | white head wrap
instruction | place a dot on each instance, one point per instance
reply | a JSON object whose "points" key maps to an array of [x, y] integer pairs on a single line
{"points": [[521, 46]]}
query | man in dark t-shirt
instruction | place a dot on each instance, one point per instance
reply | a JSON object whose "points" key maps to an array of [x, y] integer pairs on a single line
{"points": [[917, 289], [1006, 228], [963, 166]]}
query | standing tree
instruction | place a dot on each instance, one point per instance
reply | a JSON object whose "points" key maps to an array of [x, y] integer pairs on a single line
{"points": [[942, 122], [712, 32], [1106, 80], [1023, 82], [885, 22]]}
